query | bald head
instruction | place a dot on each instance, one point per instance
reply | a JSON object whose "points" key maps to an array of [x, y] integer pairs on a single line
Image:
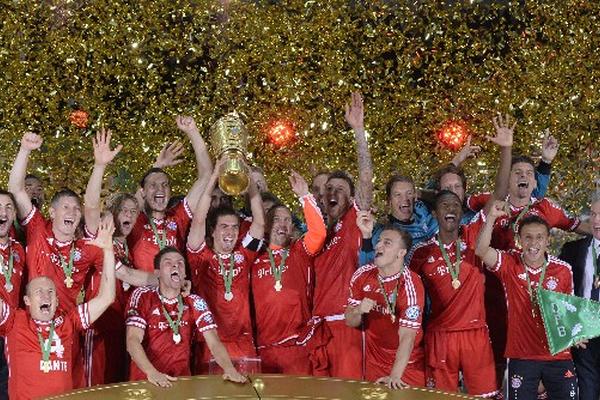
{"points": [[41, 298]]}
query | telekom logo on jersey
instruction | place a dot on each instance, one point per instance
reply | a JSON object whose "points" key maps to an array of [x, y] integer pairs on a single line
{"points": [[162, 326], [267, 271]]}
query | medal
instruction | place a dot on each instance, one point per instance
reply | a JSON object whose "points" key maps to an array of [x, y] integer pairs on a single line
{"points": [[7, 269], [46, 346], [68, 267], [176, 338], [174, 325], [277, 271], [533, 293], [69, 282], [390, 301], [453, 269], [45, 366], [515, 224], [8, 286], [161, 241], [227, 275]]}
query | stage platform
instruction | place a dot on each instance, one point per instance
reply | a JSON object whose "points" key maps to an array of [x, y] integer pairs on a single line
{"points": [[280, 387]]}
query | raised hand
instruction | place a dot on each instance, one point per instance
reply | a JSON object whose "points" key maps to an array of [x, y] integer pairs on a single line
{"points": [[31, 141], [366, 305], [234, 376], [365, 223], [159, 379], [299, 185], [169, 155], [103, 155], [504, 131], [187, 125], [392, 382], [497, 210], [549, 147], [104, 236], [355, 112], [467, 151]]}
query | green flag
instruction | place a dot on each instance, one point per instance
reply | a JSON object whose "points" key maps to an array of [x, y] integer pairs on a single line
{"points": [[568, 319]]}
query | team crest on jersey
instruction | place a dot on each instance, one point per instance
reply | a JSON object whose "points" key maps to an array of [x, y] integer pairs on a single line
{"points": [[516, 381], [172, 226], [76, 255], [238, 258], [413, 313], [551, 283], [16, 256], [200, 305], [338, 226]]}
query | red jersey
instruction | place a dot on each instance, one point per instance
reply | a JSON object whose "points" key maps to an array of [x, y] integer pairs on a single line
{"points": [[335, 265], [24, 354], [381, 332], [503, 236], [144, 244], [233, 316], [526, 335], [145, 311], [280, 314], [45, 255], [13, 296], [453, 309]]}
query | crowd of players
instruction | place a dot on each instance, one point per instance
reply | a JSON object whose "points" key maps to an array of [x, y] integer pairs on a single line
{"points": [[155, 286]]}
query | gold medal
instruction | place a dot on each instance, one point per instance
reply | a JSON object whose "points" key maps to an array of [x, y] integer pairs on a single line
{"points": [[393, 317], [597, 281], [176, 338], [278, 286], [69, 282], [455, 283], [228, 296], [45, 366], [8, 286]]}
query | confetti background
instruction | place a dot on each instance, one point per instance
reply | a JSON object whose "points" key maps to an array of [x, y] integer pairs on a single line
{"points": [[133, 66]]}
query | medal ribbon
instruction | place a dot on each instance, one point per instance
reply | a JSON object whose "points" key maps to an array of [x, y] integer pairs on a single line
{"points": [[173, 324], [532, 293], [67, 268], [123, 251], [161, 241], [46, 344], [7, 269], [515, 224], [227, 275], [390, 301], [454, 270], [277, 271]]}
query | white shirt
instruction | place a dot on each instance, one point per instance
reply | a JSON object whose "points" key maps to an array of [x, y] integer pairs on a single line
{"points": [[588, 276]]}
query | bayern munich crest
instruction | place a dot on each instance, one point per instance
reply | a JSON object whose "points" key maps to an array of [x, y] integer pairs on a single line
{"points": [[76, 255], [200, 305], [551, 283], [172, 226], [516, 382], [413, 313]]}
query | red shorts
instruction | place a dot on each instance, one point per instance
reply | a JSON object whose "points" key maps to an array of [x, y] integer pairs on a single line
{"points": [[379, 363], [290, 360], [343, 352], [468, 351]]}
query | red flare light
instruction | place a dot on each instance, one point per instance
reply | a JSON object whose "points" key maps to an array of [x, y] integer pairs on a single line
{"points": [[453, 134], [281, 133]]}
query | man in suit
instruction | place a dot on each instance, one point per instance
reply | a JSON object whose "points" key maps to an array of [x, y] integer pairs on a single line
{"points": [[584, 257]]}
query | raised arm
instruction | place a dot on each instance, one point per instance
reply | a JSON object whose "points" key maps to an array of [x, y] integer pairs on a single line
{"points": [[106, 293], [197, 233], [355, 118], [257, 228], [204, 165], [504, 139], [489, 255], [103, 156], [135, 277], [316, 229], [542, 171], [16, 181]]}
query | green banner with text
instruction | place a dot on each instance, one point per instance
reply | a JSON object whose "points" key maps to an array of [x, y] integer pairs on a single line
{"points": [[568, 319]]}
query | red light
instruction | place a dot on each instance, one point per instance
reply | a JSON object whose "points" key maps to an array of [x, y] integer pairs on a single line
{"points": [[281, 132], [453, 134]]}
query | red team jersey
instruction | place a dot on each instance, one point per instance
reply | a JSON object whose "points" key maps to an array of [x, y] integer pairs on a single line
{"points": [[24, 355], [335, 266], [42, 255], [18, 268], [526, 335], [453, 309], [145, 312], [233, 317], [381, 333], [280, 315], [142, 242], [503, 234]]}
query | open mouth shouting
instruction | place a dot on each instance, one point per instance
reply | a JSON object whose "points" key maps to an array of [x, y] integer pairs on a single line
{"points": [[523, 184], [69, 223], [45, 309], [160, 199], [175, 277], [4, 225]]}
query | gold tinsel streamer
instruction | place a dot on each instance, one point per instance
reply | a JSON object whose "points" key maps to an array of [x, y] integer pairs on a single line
{"points": [[135, 65]]}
